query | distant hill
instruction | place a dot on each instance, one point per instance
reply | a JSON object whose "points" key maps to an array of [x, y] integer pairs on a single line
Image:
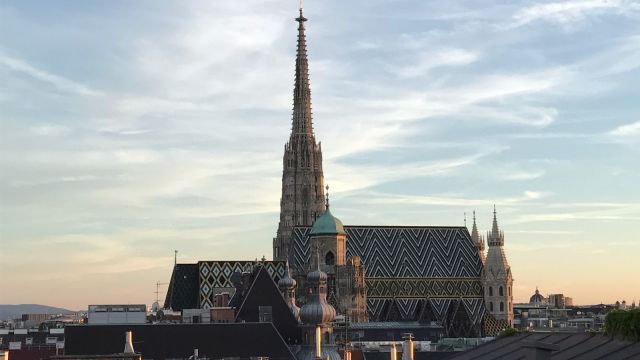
{"points": [[15, 311]]}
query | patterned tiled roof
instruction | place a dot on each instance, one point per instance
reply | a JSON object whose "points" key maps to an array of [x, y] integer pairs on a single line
{"points": [[408, 264]]}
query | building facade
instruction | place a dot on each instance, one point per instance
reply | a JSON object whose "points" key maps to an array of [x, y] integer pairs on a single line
{"points": [[302, 198]]}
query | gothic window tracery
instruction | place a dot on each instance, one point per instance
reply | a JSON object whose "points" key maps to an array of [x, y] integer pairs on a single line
{"points": [[500, 291]]}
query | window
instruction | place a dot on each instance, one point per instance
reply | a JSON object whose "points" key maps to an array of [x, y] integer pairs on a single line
{"points": [[500, 291], [330, 259], [491, 306], [501, 306], [491, 291]]}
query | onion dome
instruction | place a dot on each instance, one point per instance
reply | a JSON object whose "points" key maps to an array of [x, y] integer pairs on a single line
{"points": [[327, 224], [536, 298], [317, 310], [287, 282], [316, 313], [315, 277]]}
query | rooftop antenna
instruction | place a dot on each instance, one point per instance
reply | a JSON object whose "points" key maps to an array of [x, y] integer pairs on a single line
{"points": [[300, 6], [465, 219], [158, 283], [175, 257]]}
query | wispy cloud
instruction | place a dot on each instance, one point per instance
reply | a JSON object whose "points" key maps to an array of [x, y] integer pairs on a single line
{"points": [[432, 59], [59, 82], [571, 11]]}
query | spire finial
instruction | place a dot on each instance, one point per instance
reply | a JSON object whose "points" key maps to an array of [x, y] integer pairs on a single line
{"points": [[465, 219], [327, 196]]}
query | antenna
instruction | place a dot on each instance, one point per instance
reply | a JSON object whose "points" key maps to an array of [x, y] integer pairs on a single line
{"points": [[465, 219], [157, 292], [175, 257]]}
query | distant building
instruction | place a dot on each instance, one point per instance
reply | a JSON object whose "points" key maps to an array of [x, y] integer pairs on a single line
{"points": [[117, 314]]}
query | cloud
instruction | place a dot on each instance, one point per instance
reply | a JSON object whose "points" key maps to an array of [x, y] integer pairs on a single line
{"points": [[59, 82], [628, 130], [570, 11], [431, 59], [458, 201]]}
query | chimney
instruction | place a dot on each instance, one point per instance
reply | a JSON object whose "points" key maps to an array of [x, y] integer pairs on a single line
{"points": [[128, 344], [318, 343], [407, 346]]}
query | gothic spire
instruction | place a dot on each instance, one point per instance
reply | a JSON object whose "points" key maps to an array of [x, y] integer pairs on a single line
{"points": [[474, 229], [477, 238], [494, 229], [495, 237], [302, 120]]}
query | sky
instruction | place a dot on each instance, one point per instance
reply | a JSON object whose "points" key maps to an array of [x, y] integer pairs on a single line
{"points": [[133, 128]]}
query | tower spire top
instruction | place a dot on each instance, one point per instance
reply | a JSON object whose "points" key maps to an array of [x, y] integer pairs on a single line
{"points": [[495, 229], [302, 117]]}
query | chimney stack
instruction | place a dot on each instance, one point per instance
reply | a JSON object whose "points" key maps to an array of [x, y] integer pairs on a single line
{"points": [[407, 346], [128, 343]]}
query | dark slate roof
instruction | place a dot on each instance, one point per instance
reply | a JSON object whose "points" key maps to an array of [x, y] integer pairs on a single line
{"points": [[182, 292], [264, 292], [410, 264], [569, 346], [173, 341]]}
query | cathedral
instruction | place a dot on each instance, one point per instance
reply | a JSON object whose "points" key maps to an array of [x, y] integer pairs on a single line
{"points": [[383, 273], [367, 273]]}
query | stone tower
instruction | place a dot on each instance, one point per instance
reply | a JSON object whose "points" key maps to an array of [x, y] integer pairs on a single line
{"points": [[302, 198], [478, 240], [345, 276], [497, 276]]}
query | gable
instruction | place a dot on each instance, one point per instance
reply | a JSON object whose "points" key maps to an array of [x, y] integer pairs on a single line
{"points": [[265, 293]]}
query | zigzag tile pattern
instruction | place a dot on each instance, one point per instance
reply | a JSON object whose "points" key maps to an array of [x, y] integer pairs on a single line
{"points": [[215, 275], [410, 264]]}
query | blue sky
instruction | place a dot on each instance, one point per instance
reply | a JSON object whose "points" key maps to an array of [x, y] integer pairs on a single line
{"points": [[133, 128]]}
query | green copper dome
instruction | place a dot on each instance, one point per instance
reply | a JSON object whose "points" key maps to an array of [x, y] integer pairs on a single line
{"points": [[327, 224]]}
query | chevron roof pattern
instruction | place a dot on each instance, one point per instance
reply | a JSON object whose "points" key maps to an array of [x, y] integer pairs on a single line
{"points": [[216, 275], [407, 264]]}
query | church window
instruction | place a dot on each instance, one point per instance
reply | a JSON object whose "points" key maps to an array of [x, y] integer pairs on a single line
{"points": [[501, 306], [490, 306], [500, 291], [490, 290], [330, 259]]}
